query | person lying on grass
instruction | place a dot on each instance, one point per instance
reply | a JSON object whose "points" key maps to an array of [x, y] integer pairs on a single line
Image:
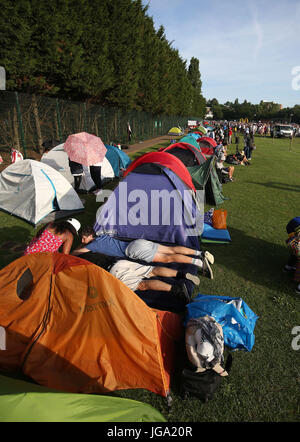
{"points": [[143, 250], [138, 276], [54, 236]]}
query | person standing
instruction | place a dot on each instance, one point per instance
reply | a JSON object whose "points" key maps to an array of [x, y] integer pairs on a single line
{"points": [[129, 131], [230, 135], [95, 171], [77, 172]]}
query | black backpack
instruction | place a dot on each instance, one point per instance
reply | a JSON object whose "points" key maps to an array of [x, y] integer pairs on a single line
{"points": [[202, 385]]}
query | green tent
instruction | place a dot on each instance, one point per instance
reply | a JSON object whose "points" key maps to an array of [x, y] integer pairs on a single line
{"points": [[205, 177], [202, 130], [22, 401]]}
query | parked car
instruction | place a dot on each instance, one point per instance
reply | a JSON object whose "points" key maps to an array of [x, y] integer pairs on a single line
{"points": [[282, 130]]}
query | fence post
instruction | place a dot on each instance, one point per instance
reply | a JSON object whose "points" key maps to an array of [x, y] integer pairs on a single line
{"points": [[84, 118], [58, 119], [37, 123], [20, 124]]}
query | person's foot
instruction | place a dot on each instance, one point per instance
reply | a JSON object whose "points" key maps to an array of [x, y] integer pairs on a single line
{"points": [[181, 292], [207, 269], [298, 289], [195, 280], [210, 258]]}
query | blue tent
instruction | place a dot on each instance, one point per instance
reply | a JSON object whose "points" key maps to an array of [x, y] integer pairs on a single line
{"points": [[191, 138], [153, 203], [117, 158]]}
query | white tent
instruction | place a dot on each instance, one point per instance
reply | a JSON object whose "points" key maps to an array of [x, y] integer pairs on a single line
{"points": [[32, 190], [58, 159]]}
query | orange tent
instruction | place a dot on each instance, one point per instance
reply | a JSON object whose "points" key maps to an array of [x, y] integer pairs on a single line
{"points": [[72, 326]]}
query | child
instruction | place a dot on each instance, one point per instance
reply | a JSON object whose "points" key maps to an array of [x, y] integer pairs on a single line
{"points": [[53, 236]]}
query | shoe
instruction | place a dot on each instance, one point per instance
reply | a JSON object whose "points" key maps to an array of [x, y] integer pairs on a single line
{"points": [[288, 268], [298, 289], [195, 280], [184, 295], [181, 292], [207, 269], [210, 258]]}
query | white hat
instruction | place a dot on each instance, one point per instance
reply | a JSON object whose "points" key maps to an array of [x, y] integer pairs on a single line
{"points": [[75, 223]]}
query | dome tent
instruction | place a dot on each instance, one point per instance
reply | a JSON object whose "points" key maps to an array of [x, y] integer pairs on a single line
{"points": [[176, 131], [58, 159], [154, 173], [33, 191], [19, 397], [72, 326]]}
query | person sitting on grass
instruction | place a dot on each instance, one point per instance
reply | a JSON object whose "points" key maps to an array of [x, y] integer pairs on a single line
{"points": [[221, 154], [54, 236], [293, 243], [143, 250]]}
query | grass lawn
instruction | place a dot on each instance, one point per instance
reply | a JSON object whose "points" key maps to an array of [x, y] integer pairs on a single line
{"points": [[264, 384]]}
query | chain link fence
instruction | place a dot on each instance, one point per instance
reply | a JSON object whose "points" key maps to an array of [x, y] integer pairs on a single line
{"points": [[26, 121]]}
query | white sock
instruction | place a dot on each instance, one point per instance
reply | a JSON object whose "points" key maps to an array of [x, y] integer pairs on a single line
{"points": [[197, 262], [198, 252]]}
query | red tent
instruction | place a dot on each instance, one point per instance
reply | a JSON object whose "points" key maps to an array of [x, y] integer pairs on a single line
{"points": [[200, 157], [167, 160], [207, 145]]}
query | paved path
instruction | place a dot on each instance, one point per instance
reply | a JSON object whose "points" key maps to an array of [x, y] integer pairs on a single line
{"points": [[147, 143]]}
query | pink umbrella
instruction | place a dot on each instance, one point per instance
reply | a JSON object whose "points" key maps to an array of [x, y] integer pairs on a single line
{"points": [[85, 148]]}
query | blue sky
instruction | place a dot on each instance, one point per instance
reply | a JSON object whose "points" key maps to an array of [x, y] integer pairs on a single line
{"points": [[246, 49]]}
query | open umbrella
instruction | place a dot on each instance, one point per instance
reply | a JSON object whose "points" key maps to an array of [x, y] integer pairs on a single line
{"points": [[85, 148]]}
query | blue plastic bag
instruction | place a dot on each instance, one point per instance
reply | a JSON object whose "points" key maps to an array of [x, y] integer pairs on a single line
{"points": [[237, 323]]}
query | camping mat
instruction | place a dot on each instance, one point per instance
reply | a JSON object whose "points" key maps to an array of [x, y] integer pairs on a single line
{"points": [[211, 235]]}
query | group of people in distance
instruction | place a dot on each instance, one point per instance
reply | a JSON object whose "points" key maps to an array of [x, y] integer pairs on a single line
{"points": [[122, 259], [242, 158]]}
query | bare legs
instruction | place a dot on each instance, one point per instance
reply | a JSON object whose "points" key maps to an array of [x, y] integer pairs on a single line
{"points": [[175, 254]]}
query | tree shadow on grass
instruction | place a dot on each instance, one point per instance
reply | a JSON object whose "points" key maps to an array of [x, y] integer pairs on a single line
{"points": [[279, 186], [254, 259]]}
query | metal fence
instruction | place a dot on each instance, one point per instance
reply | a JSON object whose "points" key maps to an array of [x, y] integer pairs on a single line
{"points": [[26, 121]]}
